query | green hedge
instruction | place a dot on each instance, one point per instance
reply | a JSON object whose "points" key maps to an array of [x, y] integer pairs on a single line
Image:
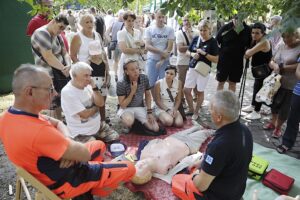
{"points": [[14, 44]]}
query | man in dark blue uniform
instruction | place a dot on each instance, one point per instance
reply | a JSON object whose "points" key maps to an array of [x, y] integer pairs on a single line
{"points": [[222, 173]]}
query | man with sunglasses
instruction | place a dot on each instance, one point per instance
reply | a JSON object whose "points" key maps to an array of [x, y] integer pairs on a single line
{"points": [[49, 51], [40, 145]]}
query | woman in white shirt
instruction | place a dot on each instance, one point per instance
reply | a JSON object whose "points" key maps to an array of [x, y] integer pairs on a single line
{"points": [[130, 42]]}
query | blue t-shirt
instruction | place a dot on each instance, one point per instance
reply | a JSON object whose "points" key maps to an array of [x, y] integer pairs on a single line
{"points": [[297, 86], [227, 158]]}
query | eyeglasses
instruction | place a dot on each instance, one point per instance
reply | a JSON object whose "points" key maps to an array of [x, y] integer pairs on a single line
{"points": [[50, 89], [185, 20]]}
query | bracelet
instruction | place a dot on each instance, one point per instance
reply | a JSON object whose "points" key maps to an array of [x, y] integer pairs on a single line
{"points": [[205, 54], [149, 112], [150, 109], [167, 110]]}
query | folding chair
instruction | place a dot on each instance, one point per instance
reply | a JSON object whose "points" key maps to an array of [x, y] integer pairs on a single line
{"points": [[42, 192]]}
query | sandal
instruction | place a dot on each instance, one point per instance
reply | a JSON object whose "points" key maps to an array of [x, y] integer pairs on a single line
{"points": [[282, 149]]}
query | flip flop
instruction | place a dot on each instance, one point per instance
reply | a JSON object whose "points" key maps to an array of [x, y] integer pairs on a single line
{"points": [[282, 149]]}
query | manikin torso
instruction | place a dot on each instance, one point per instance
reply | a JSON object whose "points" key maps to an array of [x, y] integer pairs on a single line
{"points": [[164, 154]]}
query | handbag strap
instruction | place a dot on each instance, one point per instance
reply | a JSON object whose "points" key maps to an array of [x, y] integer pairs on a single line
{"points": [[186, 38], [170, 94]]}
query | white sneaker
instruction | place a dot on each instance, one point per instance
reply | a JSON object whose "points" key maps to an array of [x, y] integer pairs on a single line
{"points": [[248, 109], [253, 115]]}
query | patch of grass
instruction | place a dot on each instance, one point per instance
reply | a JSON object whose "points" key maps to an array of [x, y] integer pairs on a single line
{"points": [[6, 101]]}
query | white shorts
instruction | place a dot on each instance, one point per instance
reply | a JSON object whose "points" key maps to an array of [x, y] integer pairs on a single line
{"points": [[99, 80], [194, 78], [139, 113]]}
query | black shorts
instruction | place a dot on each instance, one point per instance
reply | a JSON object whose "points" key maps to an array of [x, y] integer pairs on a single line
{"points": [[230, 67]]}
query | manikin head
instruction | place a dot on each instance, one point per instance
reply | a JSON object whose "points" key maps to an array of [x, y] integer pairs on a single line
{"points": [[143, 171]]}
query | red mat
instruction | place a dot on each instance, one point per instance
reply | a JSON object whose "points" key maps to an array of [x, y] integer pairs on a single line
{"points": [[156, 189]]}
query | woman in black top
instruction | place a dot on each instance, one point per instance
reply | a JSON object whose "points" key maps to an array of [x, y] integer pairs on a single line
{"points": [[261, 53], [204, 48]]}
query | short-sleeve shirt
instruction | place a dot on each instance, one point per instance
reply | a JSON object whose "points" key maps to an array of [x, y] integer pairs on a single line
{"points": [[182, 58], [42, 40], [287, 56], [210, 46], [35, 23], [124, 36], [124, 88], [159, 38], [227, 158], [30, 142], [73, 101]]}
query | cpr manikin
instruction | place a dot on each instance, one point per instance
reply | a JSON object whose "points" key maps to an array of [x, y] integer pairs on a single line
{"points": [[161, 155]]}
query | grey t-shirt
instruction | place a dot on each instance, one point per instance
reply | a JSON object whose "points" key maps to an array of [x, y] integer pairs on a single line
{"points": [[159, 39], [287, 57]]}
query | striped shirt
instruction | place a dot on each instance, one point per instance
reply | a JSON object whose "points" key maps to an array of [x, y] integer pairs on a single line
{"points": [[124, 88], [42, 40]]}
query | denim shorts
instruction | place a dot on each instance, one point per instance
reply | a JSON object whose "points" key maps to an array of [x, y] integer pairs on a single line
{"points": [[153, 72]]}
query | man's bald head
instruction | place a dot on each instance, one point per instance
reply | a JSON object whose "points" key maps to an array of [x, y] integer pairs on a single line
{"points": [[27, 75]]}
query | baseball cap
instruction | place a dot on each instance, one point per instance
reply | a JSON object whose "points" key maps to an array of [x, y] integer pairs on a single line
{"points": [[116, 149], [95, 48]]}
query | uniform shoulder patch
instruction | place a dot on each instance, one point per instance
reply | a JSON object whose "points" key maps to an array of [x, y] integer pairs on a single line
{"points": [[209, 159]]}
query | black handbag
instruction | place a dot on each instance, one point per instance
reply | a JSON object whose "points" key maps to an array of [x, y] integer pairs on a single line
{"points": [[261, 71]]}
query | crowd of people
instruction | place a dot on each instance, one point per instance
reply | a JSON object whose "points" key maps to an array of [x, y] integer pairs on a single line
{"points": [[71, 76]]}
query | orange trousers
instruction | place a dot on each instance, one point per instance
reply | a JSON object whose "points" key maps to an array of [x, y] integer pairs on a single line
{"points": [[110, 174]]}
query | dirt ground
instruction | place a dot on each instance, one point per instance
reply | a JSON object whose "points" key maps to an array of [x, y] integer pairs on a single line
{"points": [[7, 170]]}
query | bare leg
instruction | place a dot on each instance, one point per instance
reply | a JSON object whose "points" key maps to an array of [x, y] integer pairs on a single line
{"points": [[178, 121], [274, 119], [279, 123], [200, 98], [189, 98], [220, 85], [232, 86], [166, 119], [102, 110], [152, 126]]}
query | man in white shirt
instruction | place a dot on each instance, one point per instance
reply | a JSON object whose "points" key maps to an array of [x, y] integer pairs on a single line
{"points": [[159, 43], [81, 100]]}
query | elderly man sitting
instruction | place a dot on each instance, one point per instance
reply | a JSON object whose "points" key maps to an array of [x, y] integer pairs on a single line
{"points": [[68, 168], [81, 100]]}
